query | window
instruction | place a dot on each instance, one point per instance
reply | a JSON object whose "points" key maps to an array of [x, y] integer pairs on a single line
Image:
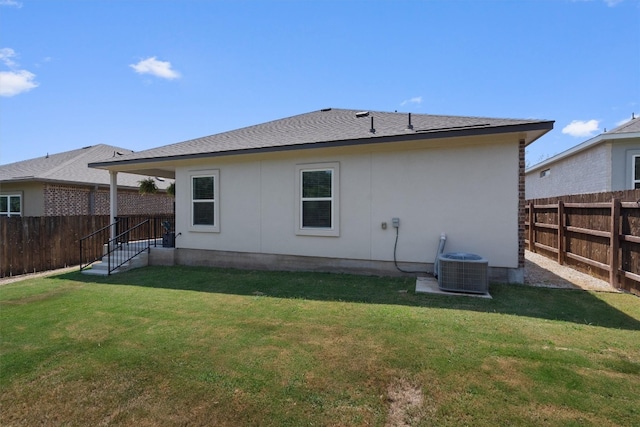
{"points": [[317, 190], [204, 202], [318, 199], [636, 172], [545, 172], [11, 205]]}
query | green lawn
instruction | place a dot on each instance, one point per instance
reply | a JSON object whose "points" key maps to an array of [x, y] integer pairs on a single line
{"points": [[196, 346]]}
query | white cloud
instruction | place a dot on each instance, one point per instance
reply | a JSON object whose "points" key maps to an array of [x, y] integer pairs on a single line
{"points": [[610, 3], [15, 82], [6, 53], [11, 3], [581, 128], [156, 68], [414, 100]]}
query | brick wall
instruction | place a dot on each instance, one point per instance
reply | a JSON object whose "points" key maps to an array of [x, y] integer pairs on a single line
{"points": [[63, 200], [586, 172], [134, 203]]}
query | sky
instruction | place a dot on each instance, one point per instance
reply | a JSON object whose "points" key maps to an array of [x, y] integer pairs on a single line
{"points": [[146, 73]]}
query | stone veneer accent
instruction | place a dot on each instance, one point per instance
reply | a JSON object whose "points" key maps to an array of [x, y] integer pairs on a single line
{"points": [[63, 200]]}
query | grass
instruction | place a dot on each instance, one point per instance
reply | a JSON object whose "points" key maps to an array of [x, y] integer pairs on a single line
{"points": [[196, 346]]}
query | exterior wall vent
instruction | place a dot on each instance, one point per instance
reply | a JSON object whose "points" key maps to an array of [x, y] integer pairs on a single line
{"points": [[463, 272]]}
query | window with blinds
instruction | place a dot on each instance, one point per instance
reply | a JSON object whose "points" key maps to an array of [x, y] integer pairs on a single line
{"points": [[204, 201], [318, 199]]}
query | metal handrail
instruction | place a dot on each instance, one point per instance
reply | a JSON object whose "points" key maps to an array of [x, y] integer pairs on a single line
{"points": [[119, 253], [98, 231], [93, 258], [137, 237]]}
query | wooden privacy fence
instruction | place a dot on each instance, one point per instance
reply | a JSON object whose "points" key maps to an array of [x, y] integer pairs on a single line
{"points": [[593, 235], [33, 244]]}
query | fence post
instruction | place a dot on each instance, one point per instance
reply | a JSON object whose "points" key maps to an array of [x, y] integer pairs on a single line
{"points": [[532, 228], [561, 242], [614, 247]]}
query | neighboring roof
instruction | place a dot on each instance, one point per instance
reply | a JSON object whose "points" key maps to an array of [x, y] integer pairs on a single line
{"points": [[71, 167], [632, 126], [326, 128], [628, 130]]}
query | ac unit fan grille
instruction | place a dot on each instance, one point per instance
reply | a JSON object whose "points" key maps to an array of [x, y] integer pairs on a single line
{"points": [[462, 272]]}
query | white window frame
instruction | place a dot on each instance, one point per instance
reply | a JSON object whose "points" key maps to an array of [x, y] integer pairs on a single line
{"points": [[334, 230], [215, 174], [635, 183], [8, 213]]}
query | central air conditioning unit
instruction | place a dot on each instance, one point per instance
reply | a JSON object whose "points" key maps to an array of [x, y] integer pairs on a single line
{"points": [[463, 272]]}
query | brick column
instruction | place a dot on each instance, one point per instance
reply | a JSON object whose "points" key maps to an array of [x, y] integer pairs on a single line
{"points": [[521, 203], [113, 201]]}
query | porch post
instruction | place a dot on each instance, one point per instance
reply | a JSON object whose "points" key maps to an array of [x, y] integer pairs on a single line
{"points": [[113, 201]]}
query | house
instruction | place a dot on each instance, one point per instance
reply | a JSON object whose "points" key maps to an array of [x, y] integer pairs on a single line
{"points": [[62, 184], [325, 190], [607, 162]]}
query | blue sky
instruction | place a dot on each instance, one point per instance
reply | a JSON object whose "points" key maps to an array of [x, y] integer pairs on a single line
{"points": [[142, 74]]}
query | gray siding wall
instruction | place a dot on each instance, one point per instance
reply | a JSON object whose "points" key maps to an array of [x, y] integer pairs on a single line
{"points": [[586, 172], [622, 160]]}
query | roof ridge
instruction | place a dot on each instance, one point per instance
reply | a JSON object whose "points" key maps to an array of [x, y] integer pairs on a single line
{"points": [[628, 123], [531, 119], [73, 159], [82, 152], [331, 127]]}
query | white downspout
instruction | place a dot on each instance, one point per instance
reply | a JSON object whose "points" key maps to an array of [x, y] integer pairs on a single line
{"points": [[113, 201]]}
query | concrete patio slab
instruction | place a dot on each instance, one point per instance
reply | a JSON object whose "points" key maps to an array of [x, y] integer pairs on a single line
{"points": [[429, 285]]}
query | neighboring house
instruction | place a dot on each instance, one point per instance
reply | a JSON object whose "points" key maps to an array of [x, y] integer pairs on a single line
{"points": [[320, 191], [607, 162], [62, 184]]}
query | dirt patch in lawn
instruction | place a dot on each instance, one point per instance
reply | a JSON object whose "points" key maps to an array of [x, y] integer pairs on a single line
{"points": [[405, 403]]}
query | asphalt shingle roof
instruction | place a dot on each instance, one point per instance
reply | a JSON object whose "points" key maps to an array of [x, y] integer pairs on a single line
{"points": [[630, 129], [325, 126], [631, 126], [72, 167]]}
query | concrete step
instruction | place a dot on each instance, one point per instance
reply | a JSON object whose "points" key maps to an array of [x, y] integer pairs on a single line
{"points": [[101, 268], [97, 269]]}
